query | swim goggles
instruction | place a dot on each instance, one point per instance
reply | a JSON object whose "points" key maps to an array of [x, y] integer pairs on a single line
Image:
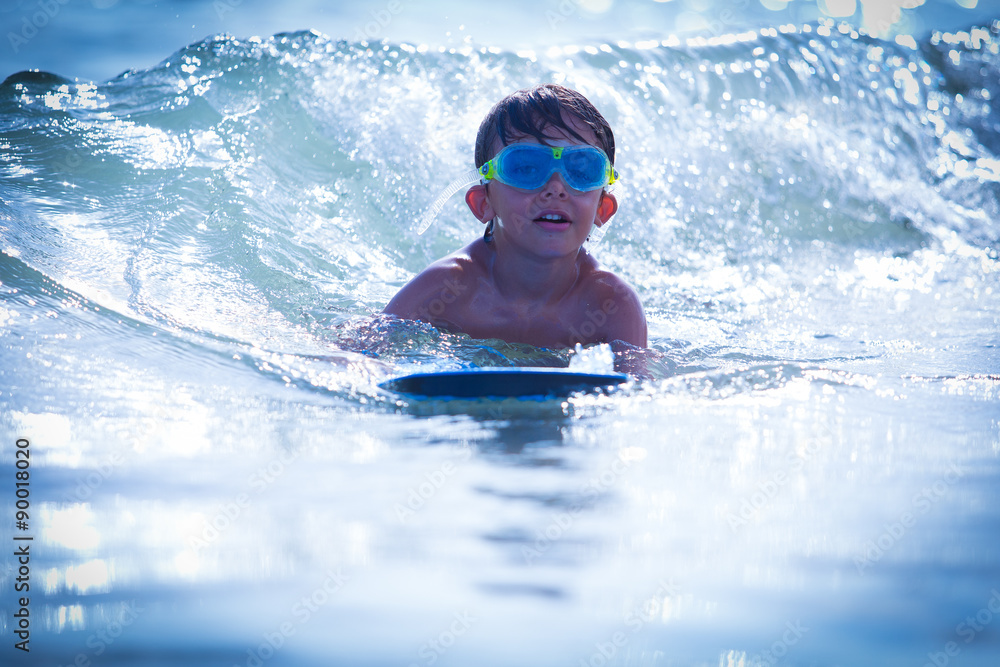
{"points": [[529, 167]]}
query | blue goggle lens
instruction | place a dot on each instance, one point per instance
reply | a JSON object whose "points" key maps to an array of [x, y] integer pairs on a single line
{"points": [[530, 166]]}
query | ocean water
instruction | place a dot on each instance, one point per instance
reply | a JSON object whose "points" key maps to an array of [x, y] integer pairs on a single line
{"points": [[193, 258]]}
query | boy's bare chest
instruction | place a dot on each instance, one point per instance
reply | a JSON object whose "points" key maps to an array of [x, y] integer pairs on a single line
{"points": [[488, 315]]}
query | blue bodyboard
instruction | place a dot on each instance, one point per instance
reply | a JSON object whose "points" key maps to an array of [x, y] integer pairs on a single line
{"points": [[519, 382]]}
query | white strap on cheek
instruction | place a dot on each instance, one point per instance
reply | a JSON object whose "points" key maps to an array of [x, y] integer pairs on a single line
{"points": [[469, 178]]}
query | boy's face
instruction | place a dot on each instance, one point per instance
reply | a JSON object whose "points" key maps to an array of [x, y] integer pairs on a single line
{"points": [[553, 220]]}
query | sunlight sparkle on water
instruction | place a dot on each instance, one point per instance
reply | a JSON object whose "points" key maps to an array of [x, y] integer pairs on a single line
{"points": [[89, 577], [71, 527]]}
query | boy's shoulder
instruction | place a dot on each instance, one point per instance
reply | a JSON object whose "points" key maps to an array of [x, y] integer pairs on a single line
{"points": [[446, 280], [465, 265], [600, 283], [613, 305]]}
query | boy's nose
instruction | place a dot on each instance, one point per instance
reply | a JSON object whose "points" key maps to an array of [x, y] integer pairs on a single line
{"points": [[556, 185]]}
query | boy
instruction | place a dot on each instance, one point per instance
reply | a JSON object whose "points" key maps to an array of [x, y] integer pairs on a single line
{"points": [[545, 156]]}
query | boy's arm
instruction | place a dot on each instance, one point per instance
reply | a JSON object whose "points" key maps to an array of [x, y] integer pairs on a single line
{"points": [[427, 296], [627, 320], [625, 330]]}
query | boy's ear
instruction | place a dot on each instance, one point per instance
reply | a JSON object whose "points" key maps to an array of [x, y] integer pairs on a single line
{"points": [[606, 208], [479, 203]]}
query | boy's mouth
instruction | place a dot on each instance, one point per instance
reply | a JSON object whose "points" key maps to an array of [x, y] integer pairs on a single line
{"points": [[553, 221]]}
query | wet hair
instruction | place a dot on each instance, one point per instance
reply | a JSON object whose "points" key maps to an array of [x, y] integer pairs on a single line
{"points": [[530, 111]]}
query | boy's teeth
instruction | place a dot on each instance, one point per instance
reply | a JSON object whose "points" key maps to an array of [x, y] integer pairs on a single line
{"points": [[551, 216]]}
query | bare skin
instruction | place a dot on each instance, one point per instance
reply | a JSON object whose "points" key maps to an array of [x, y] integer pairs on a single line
{"points": [[534, 283]]}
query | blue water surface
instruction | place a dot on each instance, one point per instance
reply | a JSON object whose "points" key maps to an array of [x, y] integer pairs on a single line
{"points": [[198, 232]]}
